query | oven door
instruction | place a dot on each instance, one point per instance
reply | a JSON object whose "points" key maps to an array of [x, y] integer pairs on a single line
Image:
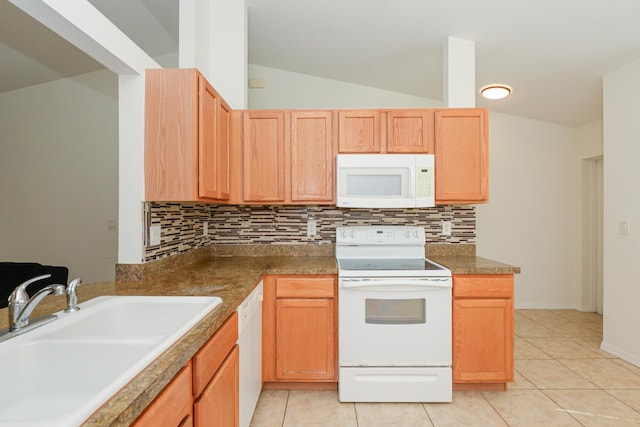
{"points": [[394, 321]]}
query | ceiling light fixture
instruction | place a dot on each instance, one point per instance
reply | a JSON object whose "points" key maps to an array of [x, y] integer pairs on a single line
{"points": [[495, 91]]}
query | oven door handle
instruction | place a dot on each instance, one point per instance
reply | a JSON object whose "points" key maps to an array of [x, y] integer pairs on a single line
{"points": [[396, 284]]}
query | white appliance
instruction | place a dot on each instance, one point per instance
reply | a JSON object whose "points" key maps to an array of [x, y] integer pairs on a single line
{"points": [[250, 342], [385, 180], [394, 317]]}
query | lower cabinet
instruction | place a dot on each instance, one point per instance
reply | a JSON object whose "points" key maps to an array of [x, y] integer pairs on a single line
{"points": [[482, 331], [218, 403], [299, 330], [173, 406], [205, 391]]}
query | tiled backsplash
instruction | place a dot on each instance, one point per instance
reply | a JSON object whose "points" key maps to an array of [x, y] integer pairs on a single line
{"points": [[182, 225]]}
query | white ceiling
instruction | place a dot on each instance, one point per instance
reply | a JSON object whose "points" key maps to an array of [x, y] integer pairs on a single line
{"points": [[552, 52]]}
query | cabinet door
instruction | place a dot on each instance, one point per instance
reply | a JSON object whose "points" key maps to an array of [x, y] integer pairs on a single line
{"points": [[223, 142], [213, 143], [173, 406], [219, 402], [171, 135], [359, 131], [305, 336], [207, 153], [263, 157], [461, 156], [409, 131], [312, 157], [482, 340]]}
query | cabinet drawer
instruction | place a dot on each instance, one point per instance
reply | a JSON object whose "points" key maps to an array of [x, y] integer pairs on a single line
{"points": [[305, 287], [483, 286], [173, 405], [207, 361]]}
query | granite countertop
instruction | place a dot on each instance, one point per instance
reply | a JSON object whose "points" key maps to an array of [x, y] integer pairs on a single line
{"points": [[230, 278], [474, 265], [227, 275]]}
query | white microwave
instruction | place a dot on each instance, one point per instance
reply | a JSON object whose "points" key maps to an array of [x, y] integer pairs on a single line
{"points": [[385, 180]]}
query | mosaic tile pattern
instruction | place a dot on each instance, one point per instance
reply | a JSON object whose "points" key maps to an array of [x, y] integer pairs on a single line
{"points": [[182, 224]]}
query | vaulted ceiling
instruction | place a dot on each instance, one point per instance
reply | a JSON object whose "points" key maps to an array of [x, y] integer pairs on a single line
{"points": [[553, 53]]}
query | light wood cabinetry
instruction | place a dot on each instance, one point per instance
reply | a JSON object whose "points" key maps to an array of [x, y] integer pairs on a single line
{"points": [[263, 156], [215, 378], [482, 331], [300, 330], [187, 138], [205, 392], [288, 157], [174, 405], [218, 404], [461, 155], [312, 156], [385, 131], [359, 131], [409, 131]]}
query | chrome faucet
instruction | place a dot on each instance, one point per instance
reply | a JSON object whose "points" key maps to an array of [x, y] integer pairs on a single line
{"points": [[21, 306], [72, 296]]}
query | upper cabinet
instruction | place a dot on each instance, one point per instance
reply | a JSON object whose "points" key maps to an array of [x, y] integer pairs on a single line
{"points": [[312, 156], [187, 138], [388, 131], [461, 155], [263, 151], [359, 131], [287, 157], [410, 131]]}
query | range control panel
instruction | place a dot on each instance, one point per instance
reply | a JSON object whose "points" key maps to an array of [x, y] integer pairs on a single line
{"points": [[380, 235]]}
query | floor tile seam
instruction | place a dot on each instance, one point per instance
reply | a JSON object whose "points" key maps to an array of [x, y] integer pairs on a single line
{"points": [[620, 400], [482, 393], [593, 351], [578, 373], [566, 411], [355, 411], [630, 371], [537, 348], [426, 411], [286, 405], [622, 365], [535, 387]]}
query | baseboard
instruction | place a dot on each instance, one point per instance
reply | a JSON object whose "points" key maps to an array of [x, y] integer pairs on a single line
{"points": [[546, 306], [634, 359]]}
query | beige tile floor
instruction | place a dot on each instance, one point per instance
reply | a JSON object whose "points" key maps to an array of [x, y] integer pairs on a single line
{"points": [[562, 378]]}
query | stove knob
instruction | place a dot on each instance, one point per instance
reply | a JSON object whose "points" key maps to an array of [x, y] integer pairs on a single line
{"points": [[415, 234], [407, 233]]}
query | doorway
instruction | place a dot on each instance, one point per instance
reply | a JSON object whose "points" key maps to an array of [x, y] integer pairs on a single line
{"points": [[592, 228]]}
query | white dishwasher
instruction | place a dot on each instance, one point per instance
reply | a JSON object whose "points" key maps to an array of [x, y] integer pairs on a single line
{"points": [[250, 342]]}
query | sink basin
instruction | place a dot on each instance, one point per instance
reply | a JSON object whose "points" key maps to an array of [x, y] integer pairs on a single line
{"points": [[60, 373]]}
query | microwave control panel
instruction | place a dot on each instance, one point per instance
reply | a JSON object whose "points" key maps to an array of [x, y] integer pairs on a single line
{"points": [[424, 182]]}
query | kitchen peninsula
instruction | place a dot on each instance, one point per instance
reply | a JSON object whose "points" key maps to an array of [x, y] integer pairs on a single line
{"points": [[230, 273]]}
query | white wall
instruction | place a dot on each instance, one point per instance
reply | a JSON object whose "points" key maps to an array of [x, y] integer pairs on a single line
{"points": [[530, 220], [298, 91], [58, 174], [213, 39], [621, 110]]}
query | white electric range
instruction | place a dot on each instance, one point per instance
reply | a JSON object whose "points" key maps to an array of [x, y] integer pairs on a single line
{"points": [[394, 317]]}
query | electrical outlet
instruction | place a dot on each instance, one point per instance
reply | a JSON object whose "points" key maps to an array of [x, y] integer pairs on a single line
{"points": [[311, 227], [446, 228], [205, 229], [625, 227], [154, 235]]}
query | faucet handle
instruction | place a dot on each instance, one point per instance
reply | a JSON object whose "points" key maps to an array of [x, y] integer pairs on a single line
{"points": [[19, 294], [72, 296]]}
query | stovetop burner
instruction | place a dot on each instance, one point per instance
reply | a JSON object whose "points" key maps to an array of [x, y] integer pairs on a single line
{"points": [[417, 264]]}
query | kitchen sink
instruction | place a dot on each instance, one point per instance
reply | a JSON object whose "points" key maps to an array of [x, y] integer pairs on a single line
{"points": [[60, 373]]}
